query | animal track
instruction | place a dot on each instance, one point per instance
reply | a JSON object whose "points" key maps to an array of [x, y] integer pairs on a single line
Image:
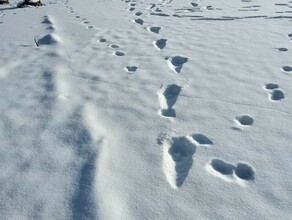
{"points": [[282, 49], [244, 120], [222, 167], [131, 69], [167, 97], [114, 46], [138, 13], [231, 173], [152, 6], [287, 69], [244, 172], [139, 21], [47, 20], [276, 95], [49, 39], [155, 30], [119, 54], [177, 159], [176, 63], [194, 4], [160, 44], [102, 40], [201, 139], [271, 86]]}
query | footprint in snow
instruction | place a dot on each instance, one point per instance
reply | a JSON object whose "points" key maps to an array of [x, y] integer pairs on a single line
{"points": [[49, 39], [119, 54], [154, 30], [160, 44], [176, 63], [177, 159], [114, 46], [271, 86], [167, 97], [282, 49], [202, 140], [244, 120], [138, 13], [194, 4], [131, 69], [287, 69], [102, 40], [47, 20], [151, 6], [139, 21], [275, 94], [241, 173]]}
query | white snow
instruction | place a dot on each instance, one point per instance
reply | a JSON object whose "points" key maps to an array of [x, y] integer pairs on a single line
{"points": [[139, 109]]}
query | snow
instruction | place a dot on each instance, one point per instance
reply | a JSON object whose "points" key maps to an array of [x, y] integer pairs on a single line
{"points": [[161, 109]]}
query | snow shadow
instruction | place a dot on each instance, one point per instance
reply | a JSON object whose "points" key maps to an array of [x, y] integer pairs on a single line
{"points": [[75, 134]]}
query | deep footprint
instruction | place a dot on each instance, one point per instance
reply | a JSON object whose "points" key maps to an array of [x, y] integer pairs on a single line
{"points": [[244, 172], [222, 167], [138, 13], [287, 69], [282, 49], [276, 95], [119, 54], [114, 46], [139, 21], [201, 139], [131, 69], [271, 86], [167, 97], [160, 44], [155, 30], [244, 120], [102, 40], [177, 159], [229, 172], [176, 63]]}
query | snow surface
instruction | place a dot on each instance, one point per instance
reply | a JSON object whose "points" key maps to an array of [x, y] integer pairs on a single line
{"points": [[161, 109]]}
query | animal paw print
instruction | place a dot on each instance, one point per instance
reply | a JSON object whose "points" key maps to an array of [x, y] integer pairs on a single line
{"points": [[241, 173], [275, 94]]}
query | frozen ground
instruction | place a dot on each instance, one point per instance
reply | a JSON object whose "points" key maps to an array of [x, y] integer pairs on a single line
{"points": [[161, 109]]}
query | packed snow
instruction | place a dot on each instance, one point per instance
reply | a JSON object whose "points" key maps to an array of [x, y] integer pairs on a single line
{"points": [[146, 109]]}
